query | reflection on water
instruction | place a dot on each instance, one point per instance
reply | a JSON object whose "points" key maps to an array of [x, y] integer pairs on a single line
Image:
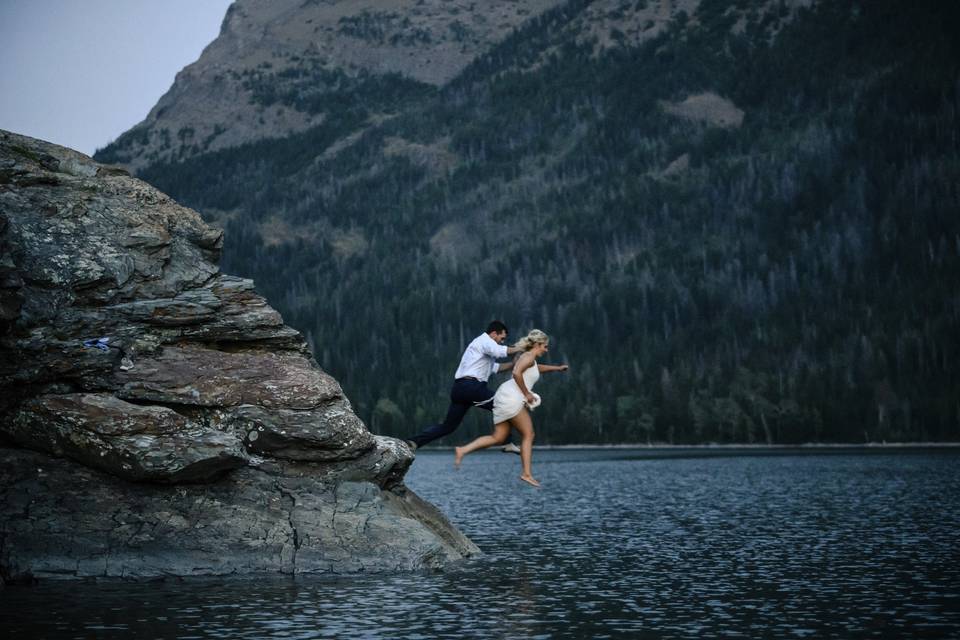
{"points": [[622, 543]]}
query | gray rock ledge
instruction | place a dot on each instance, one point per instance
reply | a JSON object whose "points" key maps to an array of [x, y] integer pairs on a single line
{"points": [[199, 438]]}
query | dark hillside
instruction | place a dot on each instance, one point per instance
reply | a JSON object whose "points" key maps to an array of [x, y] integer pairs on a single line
{"points": [[746, 229]]}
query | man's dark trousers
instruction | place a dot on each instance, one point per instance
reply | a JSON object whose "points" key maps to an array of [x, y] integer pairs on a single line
{"points": [[466, 393]]}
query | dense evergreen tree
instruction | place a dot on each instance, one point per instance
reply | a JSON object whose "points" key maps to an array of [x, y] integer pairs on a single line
{"points": [[794, 278]]}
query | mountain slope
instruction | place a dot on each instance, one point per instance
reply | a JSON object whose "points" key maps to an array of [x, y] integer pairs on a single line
{"points": [[741, 228], [247, 83]]}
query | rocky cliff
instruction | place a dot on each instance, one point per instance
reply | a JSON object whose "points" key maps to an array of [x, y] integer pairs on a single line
{"points": [[156, 415]]}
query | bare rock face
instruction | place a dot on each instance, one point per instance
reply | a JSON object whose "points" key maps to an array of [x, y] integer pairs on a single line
{"points": [[156, 416], [213, 102], [130, 441], [66, 520]]}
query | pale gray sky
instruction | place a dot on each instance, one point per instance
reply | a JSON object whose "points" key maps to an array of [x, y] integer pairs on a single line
{"points": [[81, 72]]}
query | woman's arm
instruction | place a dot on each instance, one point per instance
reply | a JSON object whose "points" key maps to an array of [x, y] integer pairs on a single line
{"points": [[547, 368], [524, 362]]}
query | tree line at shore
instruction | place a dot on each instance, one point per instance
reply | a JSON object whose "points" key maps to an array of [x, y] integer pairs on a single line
{"points": [[794, 278]]}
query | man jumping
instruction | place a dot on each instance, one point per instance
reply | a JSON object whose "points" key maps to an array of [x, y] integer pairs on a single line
{"points": [[478, 363]]}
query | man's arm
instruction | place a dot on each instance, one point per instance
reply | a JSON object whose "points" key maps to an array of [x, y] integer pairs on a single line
{"points": [[503, 366], [491, 348]]}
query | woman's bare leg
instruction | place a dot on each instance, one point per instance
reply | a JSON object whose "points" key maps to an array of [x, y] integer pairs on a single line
{"points": [[524, 425], [499, 436]]}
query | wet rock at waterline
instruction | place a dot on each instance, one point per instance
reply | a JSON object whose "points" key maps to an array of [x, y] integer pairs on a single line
{"points": [[156, 416], [80, 522]]}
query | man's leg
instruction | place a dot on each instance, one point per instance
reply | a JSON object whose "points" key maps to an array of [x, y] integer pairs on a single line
{"points": [[454, 417], [464, 394]]}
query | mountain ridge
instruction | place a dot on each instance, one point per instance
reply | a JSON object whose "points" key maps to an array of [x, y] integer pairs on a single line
{"points": [[711, 221], [213, 103]]}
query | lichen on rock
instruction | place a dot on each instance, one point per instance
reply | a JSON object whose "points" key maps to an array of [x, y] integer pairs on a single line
{"points": [[156, 415]]}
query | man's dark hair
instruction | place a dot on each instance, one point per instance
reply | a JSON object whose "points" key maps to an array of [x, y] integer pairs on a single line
{"points": [[497, 326]]}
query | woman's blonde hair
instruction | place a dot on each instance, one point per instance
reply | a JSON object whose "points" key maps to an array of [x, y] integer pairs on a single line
{"points": [[533, 338]]}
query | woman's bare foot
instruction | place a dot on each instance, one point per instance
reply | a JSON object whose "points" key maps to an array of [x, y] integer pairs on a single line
{"points": [[457, 457], [530, 480]]}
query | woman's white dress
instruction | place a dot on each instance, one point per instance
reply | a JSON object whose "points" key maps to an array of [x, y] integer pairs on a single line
{"points": [[508, 401]]}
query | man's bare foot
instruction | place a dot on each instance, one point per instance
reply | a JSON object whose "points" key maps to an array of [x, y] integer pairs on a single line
{"points": [[529, 480], [457, 457]]}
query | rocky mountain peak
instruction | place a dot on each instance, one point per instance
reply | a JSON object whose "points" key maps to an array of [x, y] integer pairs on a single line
{"points": [[302, 48]]}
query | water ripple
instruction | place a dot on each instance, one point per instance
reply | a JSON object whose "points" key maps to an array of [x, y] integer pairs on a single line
{"points": [[616, 544]]}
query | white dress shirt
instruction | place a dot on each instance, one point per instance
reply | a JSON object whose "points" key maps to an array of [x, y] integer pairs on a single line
{"points": [[480, 358]]}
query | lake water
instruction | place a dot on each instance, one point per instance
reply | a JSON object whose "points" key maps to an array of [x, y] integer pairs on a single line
{"points": [[632, 543]]}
